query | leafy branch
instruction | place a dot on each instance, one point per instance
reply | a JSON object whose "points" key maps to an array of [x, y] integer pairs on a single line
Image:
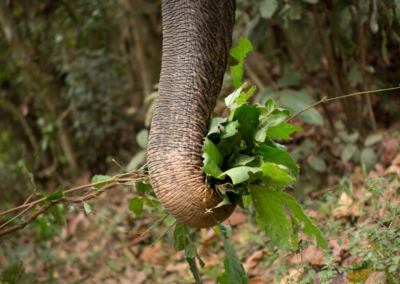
{"points": [[59, 197]]}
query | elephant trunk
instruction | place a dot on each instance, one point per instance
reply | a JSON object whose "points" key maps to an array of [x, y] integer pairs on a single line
{"points": [[197, 35]]}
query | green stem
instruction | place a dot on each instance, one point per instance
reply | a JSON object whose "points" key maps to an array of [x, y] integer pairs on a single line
{"points": [[341, 97]]}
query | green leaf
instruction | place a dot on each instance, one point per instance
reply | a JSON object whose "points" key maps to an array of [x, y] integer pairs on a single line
{"points": [[338, 206], [225, 230], [87, 207], [339, 242], [225, 201], [270, 209], [142, 138], [58, 213], [30, 175], [136, 205], [274, 174], [182, 241], [180, 236], [290, 79], [242, 160], [234, 269], [13, 273], [59, 194], [248, 119], [230, 100], [256, 163], [239, 174], [247, 202], [227, 145], [372, 139], [169, 220], [215, 125], [277, 156], [238, 189], [354, 76], [223, 279], [143, 187], [237, 74], [212, 159], [368, 157], [348, 152], [202, 264], [194, 269], [309, 228], [190, 248], [98, 178], [282, 130], [268, 8], [274, 118], [298, 101], [242, 99], [311, 1], [317, 164], [269, 142], [260, 135], [240, 51], [270, 106], [230, 129], [295, 233]]}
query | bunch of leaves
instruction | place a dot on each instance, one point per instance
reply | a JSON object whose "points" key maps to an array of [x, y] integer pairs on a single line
{"points": [[245, 165]]}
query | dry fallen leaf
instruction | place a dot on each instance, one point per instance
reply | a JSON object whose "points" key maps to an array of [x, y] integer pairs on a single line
{"points": [[396, 160], [153, 256], [394, 170], [389, 150], [256, 280], [293, 274], [254, 259], [359, 275], [380, 169], [377, 277], [345, 210]]}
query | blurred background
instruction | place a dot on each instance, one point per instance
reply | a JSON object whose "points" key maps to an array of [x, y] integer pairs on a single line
{"points": [[78, 82]]}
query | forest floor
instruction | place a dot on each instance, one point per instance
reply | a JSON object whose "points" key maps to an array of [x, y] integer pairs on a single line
{"points": [[106, 247]]}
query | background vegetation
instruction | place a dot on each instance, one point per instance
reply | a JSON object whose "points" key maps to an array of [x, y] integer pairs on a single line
{"points": [[77, 89]]}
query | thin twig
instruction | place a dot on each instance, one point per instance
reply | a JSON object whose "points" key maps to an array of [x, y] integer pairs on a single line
{"points": [[53, 203], [16, 216], [324, 100], [30, 196], [163, 234], [69, 191]]}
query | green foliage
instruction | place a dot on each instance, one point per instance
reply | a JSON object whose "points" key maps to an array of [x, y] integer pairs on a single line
{"points": [[136, 204], [375, 242], [239, 53], [234, 270], [182, 241], [98, 178], [238, 150], [57, 211], [53, 196], [13, 273]]}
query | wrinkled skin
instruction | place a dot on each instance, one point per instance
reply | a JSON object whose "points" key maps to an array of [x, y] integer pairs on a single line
{"points": [[197, 36]]}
